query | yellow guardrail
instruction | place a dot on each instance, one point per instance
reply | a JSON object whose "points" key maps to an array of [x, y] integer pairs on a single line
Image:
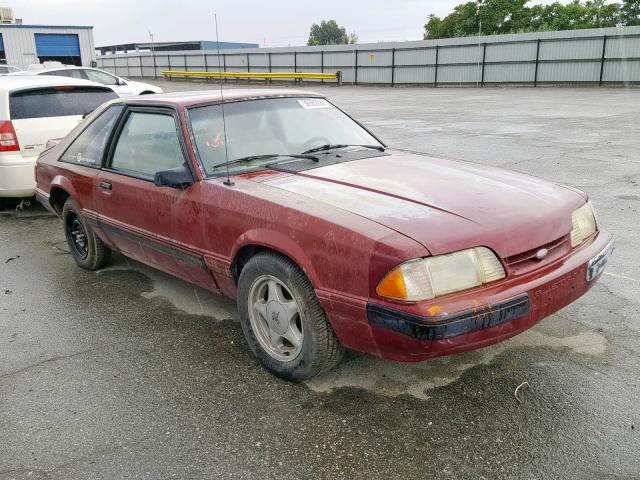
{"points": [[266, 75]]}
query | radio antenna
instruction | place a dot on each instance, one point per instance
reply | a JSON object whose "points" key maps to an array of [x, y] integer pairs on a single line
{"points": [[228, 181]]}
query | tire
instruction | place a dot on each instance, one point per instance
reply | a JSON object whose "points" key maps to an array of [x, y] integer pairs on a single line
{"points": [[90, 254], [318, 350]]}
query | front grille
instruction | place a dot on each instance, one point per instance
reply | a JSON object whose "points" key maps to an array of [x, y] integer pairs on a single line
{"points": [[526, 261]]}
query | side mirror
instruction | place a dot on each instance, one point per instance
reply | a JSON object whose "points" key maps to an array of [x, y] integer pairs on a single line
{"points": [[179, 177], [121, 82]]}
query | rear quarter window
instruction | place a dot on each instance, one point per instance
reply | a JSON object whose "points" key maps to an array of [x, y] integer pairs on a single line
{"points": [[57, 101]]}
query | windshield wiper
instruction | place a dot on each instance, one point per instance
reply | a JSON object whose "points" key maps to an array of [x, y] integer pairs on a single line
{"points": [[330, 146], [266, 156]]}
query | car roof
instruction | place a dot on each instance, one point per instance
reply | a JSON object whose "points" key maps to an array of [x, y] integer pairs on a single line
{"points": [[201, 97], [42, 71], [20, 82]]}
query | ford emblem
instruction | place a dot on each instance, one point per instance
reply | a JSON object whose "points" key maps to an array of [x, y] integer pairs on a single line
{"points": [[540, 254]]}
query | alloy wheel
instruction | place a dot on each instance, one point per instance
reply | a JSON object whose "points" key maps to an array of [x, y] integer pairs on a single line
{"points": [[275, 318]]}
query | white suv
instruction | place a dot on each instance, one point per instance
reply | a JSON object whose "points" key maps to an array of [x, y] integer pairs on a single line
{"points": [[32, 111], [123, 86]]}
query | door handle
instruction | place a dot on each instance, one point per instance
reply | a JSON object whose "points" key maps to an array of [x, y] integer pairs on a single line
{"points": [[105, 185]]}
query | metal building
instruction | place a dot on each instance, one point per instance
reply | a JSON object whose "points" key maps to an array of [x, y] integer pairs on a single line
{"points": [[22, 45], [171, 46]]}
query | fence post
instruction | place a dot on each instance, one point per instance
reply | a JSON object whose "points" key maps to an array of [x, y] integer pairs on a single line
{"points": [[484, 55], [602, 60], [224, 66], [435, 72], [185, 65], [127, 63], [269, 57], [206, 67], [322, 64], [248, 68], [155, 69], [535, 74], [140, 60], [355, 67], [393, 66]]}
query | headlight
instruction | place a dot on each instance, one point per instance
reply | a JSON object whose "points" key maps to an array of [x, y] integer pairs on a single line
{"points": [[584, 224], [426, 278]]}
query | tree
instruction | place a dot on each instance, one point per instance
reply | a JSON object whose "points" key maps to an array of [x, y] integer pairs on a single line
{"points": [[329, 33], [630, 12], [497, 16], [514, 16]]}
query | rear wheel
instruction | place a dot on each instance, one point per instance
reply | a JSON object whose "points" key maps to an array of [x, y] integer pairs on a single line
{"points": [[86, 248], [283, 321]]}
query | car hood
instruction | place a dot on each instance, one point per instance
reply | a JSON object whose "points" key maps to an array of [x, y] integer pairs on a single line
{"points": [[446, 205]]}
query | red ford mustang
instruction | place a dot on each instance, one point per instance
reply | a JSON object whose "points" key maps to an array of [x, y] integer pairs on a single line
{"points": [[327, 238]]}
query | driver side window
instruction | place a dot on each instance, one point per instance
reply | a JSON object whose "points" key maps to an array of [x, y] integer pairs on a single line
{"points": [[148, 143]]}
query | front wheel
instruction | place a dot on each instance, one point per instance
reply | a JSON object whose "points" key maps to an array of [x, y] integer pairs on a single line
{"points": [[283, 321], [86, 248]]}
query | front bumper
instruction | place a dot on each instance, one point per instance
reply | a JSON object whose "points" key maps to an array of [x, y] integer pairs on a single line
{"points": [[480, 317], [452, 325]]}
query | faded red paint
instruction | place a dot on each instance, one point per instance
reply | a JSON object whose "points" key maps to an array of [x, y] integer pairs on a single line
{"points": [[346, 226]]}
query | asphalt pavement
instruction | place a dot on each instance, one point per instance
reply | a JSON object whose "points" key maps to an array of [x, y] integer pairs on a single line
{"points": [[129, 373]]}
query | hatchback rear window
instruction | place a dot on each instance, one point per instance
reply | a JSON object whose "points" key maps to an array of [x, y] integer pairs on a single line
{"points": [[57, 101]]}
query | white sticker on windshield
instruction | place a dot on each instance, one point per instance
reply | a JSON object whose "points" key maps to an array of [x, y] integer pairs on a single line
{"points": [[310, 103]]}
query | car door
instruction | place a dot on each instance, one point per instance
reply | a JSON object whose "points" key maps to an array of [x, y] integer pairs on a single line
{"points": [[158, 225]]}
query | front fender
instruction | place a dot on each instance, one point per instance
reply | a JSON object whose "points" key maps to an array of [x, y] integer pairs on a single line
{"points": [[279, 242]]}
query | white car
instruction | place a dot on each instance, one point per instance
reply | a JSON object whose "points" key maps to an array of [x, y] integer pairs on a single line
{"points": [[34, 110], [4, 69], [123, 86]]}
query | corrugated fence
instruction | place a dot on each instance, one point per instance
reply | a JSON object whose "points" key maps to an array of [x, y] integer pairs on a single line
{"points": [[594, 56]]}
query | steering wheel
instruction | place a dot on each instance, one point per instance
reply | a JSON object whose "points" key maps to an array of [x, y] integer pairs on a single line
{"points": [[315, 142]]}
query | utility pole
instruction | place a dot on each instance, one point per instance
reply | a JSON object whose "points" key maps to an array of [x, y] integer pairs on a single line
{"points": [[264, 45], [479, 34], [153, 53]]}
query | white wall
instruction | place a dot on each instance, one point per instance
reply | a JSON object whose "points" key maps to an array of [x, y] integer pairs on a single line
{"points": [[20, 44]]}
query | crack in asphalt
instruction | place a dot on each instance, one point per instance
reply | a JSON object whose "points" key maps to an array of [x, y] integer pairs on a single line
{"points": [[51, 360]]}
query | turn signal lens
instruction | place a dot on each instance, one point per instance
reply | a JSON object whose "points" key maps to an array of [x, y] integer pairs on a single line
{"points": [[584, 224], [409, 281], [426, 278]]}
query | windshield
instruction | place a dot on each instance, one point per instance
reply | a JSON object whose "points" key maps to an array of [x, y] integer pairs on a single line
{"points": [[275, 126]]}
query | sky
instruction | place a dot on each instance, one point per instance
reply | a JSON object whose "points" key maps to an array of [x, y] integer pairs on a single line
{"points": [[274, 22]]}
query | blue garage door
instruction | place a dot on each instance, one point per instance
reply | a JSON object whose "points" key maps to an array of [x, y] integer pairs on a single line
{"points": [[1, 43], [57, 45]]}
